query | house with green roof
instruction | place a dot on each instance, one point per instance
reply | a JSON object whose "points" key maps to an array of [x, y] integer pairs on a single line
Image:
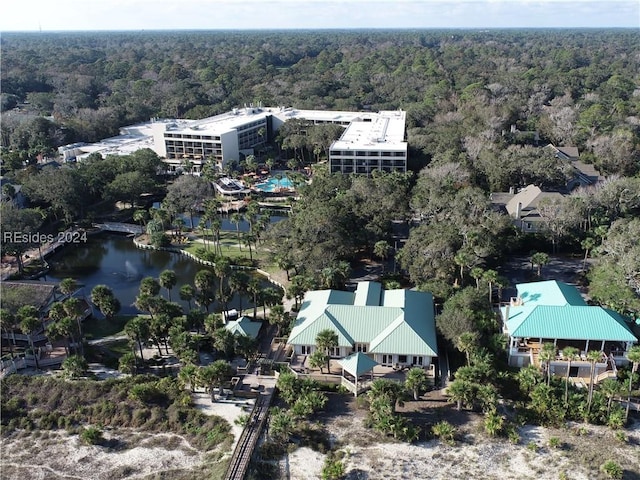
{"points": [[244, 326], [555, 312], [395, 328]]}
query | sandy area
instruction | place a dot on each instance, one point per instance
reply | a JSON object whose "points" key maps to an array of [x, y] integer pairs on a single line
{"points": [[129, 455], [56, 455], [229, 410], [474, 456]]}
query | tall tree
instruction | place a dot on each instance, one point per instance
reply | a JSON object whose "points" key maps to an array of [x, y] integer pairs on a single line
{"points": [[569, 354], [168, 280], [327, 340]]}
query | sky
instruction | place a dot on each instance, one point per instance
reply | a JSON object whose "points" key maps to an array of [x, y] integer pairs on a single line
{"points": [[48, 15]]}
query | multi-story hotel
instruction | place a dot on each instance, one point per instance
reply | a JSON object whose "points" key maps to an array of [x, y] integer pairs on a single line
{"points": [[370, 141]]}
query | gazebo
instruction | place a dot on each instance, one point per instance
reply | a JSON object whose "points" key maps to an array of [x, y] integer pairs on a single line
{"points": [[356, 364]]}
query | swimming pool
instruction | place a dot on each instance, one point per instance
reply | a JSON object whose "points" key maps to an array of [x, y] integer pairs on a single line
{"points": [[272, 184]]}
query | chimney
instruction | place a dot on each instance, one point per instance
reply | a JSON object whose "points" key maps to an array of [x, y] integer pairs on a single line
{"points": [[518, 210]]}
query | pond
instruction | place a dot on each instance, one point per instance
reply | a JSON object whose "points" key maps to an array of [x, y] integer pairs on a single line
{"points": [[113, 260]]}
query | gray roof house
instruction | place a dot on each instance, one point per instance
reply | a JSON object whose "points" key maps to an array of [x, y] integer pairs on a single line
{"points": [[522, 207]]}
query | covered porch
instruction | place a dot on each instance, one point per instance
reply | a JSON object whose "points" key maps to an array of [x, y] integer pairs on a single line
{"points": [[354, 367], [577, 367]]}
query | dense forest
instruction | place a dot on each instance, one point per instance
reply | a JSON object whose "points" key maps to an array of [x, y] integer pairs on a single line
{"points": [[462, 90], [480, 106]]}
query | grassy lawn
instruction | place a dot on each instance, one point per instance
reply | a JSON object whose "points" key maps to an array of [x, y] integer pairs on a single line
{"points": [[231, 249], [94, 328]]}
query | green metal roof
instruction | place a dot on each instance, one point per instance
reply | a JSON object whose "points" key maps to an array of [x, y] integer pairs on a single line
{"points": [[550, 292], [244, 326], [567, 322], [400, 322], [357, 364]]}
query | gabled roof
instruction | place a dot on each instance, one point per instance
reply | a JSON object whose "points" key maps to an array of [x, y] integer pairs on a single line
{"points": [[528, 199], [244, 326], [393, 321], [555, 309], [357, 364], [566, 153]]}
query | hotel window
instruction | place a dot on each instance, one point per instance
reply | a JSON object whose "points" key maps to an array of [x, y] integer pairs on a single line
{"points": [[305, 349], [402, 358], [361, 347]]}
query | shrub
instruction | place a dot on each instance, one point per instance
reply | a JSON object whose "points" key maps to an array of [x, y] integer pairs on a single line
{"points": [[91, 436], [513, 435], [554, 442], [445, 432], [242, 420], [612, 469], [333, 468], [621, 437]]}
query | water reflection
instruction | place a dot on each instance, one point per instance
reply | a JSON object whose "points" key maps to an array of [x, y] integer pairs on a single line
{"points": [[113, 260]]}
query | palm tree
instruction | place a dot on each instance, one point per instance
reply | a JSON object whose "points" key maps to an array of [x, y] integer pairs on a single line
{"points": [[224, 342], [416, 381], [137, 329], [29, 323], [610, 387], [477, 273], [68, 286], [7, 323], [587, 244], [236, 218], [490, 276], [238, 284], [149, 286], [570, 354], [204, 282], [327, 340], [187, 292], [593, 356], [381, 249], [539, 259], [633, 355], [388, 392], [188, 376], [281, 425], [216, 373], [74, 309], [278, 316], [141, 216], [318, 359], [461, 392], [222, 269], [467, 342], [254, 288], [546, 355], [103, 298], [528, 378], [463, 259], [75, 366], [168, 280]]}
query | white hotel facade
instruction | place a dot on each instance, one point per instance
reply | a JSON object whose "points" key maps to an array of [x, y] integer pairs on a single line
{"points": [[370, 140]]}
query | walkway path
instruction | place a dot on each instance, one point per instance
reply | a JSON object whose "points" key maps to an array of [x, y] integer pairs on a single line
{"points": [[248, 440]]}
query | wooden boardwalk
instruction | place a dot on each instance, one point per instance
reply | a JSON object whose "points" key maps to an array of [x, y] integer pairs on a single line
{"points": [[246, 444]]}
